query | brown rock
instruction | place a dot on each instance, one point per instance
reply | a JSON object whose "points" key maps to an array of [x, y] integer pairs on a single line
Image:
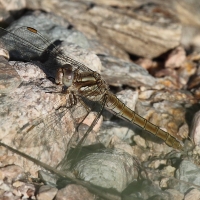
{"points": [[46, 192], [9, 78], [11, 173], [74, 192]]}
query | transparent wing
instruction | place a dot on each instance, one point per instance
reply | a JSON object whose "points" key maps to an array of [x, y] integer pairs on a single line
{"points": [[53, 133], [28, 44], [45, 131]]}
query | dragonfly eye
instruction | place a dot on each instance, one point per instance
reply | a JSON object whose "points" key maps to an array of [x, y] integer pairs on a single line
{"points": [[68, 75]]}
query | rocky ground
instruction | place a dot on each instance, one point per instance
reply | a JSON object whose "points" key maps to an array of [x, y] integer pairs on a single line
{"points": [[148, 52]]}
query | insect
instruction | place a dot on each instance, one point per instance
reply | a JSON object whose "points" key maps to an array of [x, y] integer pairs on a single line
{"points": [[78, 81]]}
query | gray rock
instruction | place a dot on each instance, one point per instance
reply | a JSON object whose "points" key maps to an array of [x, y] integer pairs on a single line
{"points": [[51, 26], [109, 169], [176, 195], [195, 133], [125, 73], [150, 191], [189, 173]]}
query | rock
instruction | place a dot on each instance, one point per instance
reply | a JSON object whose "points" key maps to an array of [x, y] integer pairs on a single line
{"points": [[107, 25], [12, 173], [110, 24], [194, 134], [5, 187], [195, 153], [28, 94], [168, 171], [46, 192], [186, 71], [9, 196], [117, 144], [171, 113], [176, 58], [16, 190], [125, 73], [176, 195], [5, 16], [9, 79], [27, 190], [187, 10], [139, 141], [146, 63], [120, 33], [47, 178], [157, 163], [140, 153], [55, 29], [146, 94], [107, 169], [4, 53], [189, 173], [74, 192], [14, 5], [110, 130], [128, 97], [153, 191], [192, 194]]}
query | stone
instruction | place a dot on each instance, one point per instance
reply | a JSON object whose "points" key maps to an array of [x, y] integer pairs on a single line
{"points": [[46, 192]]}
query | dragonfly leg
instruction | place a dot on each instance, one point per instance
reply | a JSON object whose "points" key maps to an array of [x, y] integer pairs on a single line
{"points": [[94, 121], [88, 112]]}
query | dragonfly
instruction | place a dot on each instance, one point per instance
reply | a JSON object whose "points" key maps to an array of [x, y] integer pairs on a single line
{"points": [[78, 82]]}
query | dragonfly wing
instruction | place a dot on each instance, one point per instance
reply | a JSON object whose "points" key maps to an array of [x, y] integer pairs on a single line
{"points": [[83, 116], [28, 44], [46, 138], [20, 44], [63, 127]]}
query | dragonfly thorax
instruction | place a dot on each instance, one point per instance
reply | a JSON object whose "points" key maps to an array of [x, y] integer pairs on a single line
{"points": [[88, 84]]}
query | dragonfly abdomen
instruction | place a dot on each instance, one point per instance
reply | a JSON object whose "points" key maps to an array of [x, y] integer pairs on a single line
{"points": [[119, 108]]}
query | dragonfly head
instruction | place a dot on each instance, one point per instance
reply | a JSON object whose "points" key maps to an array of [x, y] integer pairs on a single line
{"points": [[65, 76]]}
